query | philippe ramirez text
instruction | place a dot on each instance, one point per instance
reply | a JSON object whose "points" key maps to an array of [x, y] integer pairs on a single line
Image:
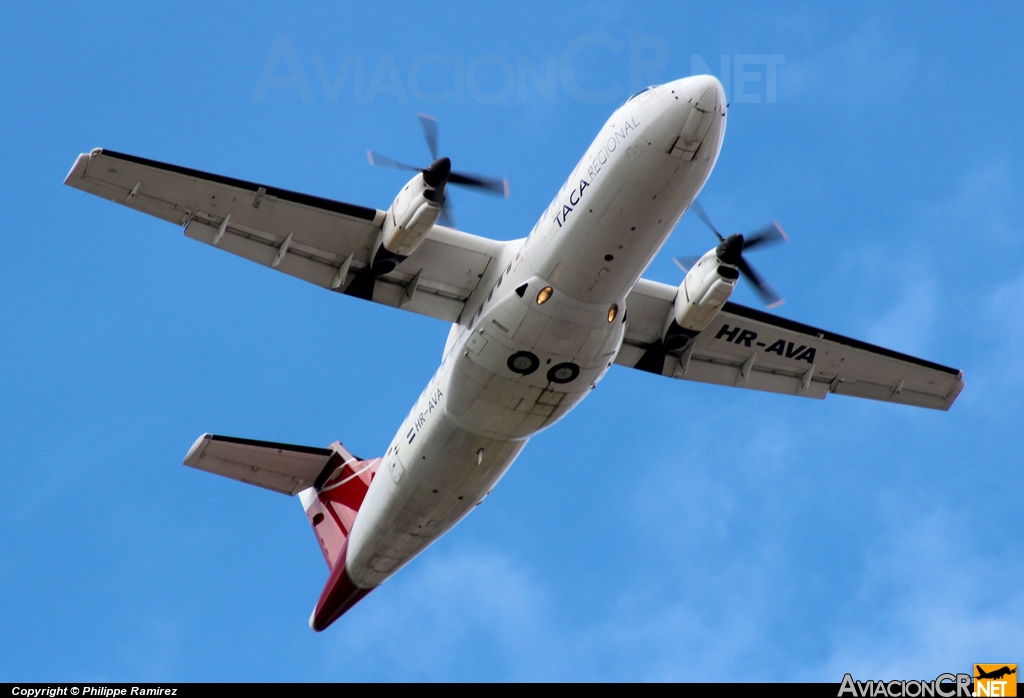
{"points": [[104, 691]]}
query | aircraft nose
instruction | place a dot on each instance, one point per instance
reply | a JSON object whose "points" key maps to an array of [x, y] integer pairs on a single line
{"points": [[700, 117], [703, 92]]}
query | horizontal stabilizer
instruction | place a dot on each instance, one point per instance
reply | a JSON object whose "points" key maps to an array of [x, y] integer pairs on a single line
{"points": [[331, 484], [282, 468]]}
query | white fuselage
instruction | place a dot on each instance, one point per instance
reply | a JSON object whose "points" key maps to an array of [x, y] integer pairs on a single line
{"points": [[513, 366]]}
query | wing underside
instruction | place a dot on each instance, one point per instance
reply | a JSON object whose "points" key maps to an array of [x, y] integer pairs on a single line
{"points": [[748, 348], [322, 241]]}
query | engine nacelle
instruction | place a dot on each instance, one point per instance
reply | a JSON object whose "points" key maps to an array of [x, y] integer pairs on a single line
{"points": [[704, 291], [411, 216]]}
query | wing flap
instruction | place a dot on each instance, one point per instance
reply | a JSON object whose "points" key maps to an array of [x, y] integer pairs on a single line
{"points": [[705, 368], [306, 262]]}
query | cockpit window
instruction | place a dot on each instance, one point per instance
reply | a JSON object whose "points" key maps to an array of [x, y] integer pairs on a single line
{"points": [[637, 94]]}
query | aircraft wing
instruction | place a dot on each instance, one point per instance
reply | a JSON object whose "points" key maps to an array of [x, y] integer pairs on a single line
{"points": [[322, 241], [748, 348]]}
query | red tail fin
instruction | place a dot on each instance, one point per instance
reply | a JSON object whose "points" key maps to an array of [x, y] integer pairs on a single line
{"points": [[331, 509]]}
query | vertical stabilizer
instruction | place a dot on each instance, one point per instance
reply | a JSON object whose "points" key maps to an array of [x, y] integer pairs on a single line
{"points": [[331, 507]]}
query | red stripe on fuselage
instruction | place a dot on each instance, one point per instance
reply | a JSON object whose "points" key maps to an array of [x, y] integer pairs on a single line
{"points": [[339, 595]]}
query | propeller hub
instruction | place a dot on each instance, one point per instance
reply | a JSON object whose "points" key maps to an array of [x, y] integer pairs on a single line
{"points": [[730, 250], [437, 174]]}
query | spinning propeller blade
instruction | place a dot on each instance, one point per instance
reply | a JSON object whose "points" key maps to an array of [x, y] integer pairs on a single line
{"points": [[769, 296], [488, 184], [378, 160], [429, 125], [686, 263], [699, 210], [767, 235]]}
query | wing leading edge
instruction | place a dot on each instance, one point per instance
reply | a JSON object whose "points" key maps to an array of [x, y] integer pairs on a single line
{"points": [[322, 241], [748, 348]]}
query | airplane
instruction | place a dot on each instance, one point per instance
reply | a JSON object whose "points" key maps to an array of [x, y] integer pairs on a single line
{"points": [[535, 322], [994, 674]]}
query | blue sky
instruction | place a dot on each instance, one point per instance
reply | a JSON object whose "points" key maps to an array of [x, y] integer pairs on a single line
{"points": [[663, 530]]}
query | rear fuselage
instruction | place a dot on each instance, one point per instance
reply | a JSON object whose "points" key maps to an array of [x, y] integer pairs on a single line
{"points": [[544, 325]]}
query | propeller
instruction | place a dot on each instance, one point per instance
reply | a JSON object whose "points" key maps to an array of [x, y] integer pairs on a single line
{"points": [[730, 251], [491, 185]]}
